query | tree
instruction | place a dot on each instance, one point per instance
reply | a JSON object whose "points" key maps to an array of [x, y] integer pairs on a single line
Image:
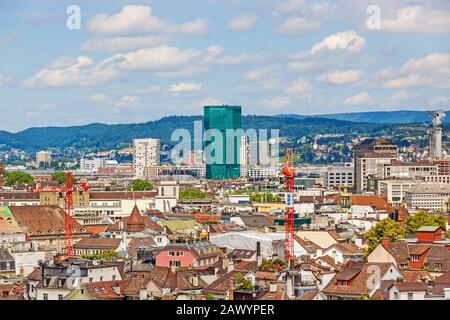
{"points": [[421, 219], [385, 228], [104, 255], [192, 194], [265, 197], [60, 177], [241, 283], [18, 177], [141, 185]]}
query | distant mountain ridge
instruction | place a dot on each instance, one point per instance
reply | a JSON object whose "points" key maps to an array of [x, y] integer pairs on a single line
{"points": [[401, 116], [103, 136]]}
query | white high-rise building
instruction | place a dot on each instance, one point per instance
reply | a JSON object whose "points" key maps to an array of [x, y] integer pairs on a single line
{"points": [[435, 135], [145, 154], [244, 156]]}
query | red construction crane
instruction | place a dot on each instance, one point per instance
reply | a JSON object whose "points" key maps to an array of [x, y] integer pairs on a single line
{"points": [[289, 173], [68, 191]]}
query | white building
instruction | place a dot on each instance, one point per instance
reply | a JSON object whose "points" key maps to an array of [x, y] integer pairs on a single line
{"points": [[244, 156], [43, 157], [339, 175], [394, 190], [145, 154], [428, 196]]}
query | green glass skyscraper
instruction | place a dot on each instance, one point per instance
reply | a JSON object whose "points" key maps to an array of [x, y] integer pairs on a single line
{"points": [[223, 163]]}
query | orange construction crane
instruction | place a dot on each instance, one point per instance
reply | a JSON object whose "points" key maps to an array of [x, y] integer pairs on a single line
{"points": [[289, 173], [68, 191]]}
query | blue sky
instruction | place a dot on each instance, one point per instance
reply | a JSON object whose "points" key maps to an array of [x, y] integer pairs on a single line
{"points": [[141, 60]]}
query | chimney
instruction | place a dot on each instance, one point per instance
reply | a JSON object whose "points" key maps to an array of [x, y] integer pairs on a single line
{"points": [[116, 289], [386, 242], [194, 281], [231, 293], [258, 249], [273, 287]]}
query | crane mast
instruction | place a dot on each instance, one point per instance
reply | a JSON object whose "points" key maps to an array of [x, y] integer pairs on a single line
{"points": [[289, 174]]}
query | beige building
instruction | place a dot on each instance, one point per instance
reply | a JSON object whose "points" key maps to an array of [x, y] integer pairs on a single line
{"points": [[43, 157], [394, 190], [428, 196]]}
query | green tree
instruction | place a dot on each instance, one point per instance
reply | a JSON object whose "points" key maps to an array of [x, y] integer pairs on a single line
{"points": [[421, 219], [104, 255], [192, 194], [18, 177], [60, 177], [385, 228], [141, 185], [265, 197], [241, 283]]}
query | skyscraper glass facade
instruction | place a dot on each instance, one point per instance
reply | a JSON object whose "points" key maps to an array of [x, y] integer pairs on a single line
{"points": [[223, 162]]}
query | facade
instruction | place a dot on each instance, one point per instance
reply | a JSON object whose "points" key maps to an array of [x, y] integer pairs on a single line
{"points": [[222, 163], [146, 154], [340, 175], [370, 157], [43, 157], [244, 155], [428, 196], [395, 190]]}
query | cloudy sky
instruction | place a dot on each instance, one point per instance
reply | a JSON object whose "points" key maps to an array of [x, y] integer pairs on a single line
{"points": [[139, 61]]}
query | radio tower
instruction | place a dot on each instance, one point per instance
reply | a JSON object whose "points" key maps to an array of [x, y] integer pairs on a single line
{"points": [[289, 173], [68, 190]]}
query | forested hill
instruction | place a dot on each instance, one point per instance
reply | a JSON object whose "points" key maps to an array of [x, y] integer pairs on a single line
{"points": [[402, 116], [103, 136]]}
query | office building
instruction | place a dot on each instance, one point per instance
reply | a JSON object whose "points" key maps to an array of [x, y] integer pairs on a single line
{"points": [[145, 154], [223, 162], [428, 196], [244, 155], [371, 155]]}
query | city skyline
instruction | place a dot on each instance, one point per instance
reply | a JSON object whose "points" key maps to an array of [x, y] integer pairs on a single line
{"points": [[139, 61]]}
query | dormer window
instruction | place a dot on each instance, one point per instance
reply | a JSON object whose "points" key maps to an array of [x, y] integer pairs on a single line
{"points": [[342, 283], [415, 257]]}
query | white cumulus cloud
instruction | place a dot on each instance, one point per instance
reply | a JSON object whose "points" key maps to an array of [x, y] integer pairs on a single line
{"points": [[299, 86], [185, 87], [296, 26], [243, 22], [342, 76], [348, 41], [362, 98]]}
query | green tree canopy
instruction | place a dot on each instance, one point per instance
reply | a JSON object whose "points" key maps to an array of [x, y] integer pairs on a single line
{"points": [[141, 185], [385, 228], [241, 283], [264, 197], [192, 194], [60, 177], [18, 177], [421, 219]]}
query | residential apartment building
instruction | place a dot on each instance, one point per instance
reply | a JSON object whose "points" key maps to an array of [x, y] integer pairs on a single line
{"points": [[43, 157], [146, 154]]}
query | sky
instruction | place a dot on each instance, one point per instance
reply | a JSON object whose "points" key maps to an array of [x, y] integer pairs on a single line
{"points": [[127, 62]]}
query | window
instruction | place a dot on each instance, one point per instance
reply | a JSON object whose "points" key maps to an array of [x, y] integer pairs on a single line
{"points": [[438, 266], [175, 263], [114, 277], [410, 296], [45, 296], [180, 253], [171, 253], [395, 295], [415, 257], [90, 279], [101, 278], [60, 296]]}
